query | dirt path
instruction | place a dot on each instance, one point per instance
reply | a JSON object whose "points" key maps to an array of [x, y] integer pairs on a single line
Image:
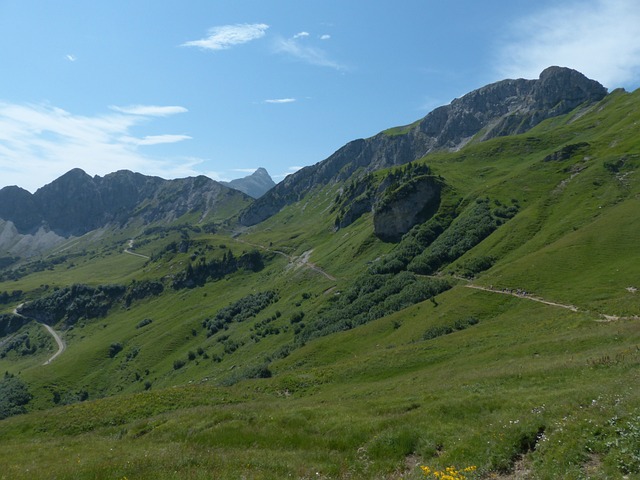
{"points": [[52, 332], [523, 295], [128, 251], [59, 341], [295, 261]]}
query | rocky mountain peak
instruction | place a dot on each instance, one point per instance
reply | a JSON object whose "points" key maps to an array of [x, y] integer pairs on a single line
{"points": [[506, 107], [254, 185]]}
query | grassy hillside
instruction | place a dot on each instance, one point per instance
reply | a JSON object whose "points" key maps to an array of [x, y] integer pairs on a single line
{"points": [[230, 375]]}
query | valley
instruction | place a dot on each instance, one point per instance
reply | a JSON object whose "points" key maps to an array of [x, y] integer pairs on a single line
{"points": [[459, 292]]}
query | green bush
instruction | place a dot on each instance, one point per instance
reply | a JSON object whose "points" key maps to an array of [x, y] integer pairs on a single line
{"points": [[114, 349], [14, 396], [369, 298], [469, 229], [240, 311]]}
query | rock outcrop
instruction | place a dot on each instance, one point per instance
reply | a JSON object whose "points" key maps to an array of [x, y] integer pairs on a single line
{"points": [[412, 203]]}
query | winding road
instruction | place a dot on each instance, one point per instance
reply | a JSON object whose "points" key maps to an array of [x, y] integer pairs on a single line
{"points": [[61, 345], [52, 332], [128, 251]]}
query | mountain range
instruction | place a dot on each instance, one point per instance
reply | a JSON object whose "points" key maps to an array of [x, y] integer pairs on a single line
{"points": [[77, 203], [457, 297]]}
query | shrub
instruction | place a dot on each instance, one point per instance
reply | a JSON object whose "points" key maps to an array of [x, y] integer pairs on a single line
{"points": [[441, 330], [114, 349], [371, 297], [240, 311], [14, 396], [178, 364], [144, 323]]}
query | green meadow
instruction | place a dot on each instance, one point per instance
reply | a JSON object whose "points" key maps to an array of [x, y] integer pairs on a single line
{"points": [[207, 379]]}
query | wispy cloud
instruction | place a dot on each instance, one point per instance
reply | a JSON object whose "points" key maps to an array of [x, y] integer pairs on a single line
{"points": [[38, 143], [226, 36], [600, 38], [280, 100], [150, 110], [301, 35], [289, 171], [70, 57], [325, 37], [299, 49], [155, 139]]}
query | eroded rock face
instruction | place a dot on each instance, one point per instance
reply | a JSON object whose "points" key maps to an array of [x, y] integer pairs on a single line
{"points": [[412, 203], [502, 108]]}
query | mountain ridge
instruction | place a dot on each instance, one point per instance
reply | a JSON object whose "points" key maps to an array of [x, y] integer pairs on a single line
{"points": [[498, 336], [498, 109], [76, 203]]}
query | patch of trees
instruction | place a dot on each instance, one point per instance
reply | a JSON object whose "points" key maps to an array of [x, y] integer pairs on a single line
{"points": [[476, 265], [435, 332], [114, 349], [415, 242], [144, 323], [81, 301], [14, 396], [142, 289], [10, 323], [263, 328], [10, 297], [447, 236], [469, 229], [21, 344], [202, 271], [240, 311], [369, 298], [73, 303]]}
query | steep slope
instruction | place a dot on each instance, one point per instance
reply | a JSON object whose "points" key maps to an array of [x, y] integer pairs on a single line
{"points": [[503, 108], [327, 360]]}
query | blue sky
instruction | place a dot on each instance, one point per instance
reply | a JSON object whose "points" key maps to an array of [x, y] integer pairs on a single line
{"points": [[181, 88]]}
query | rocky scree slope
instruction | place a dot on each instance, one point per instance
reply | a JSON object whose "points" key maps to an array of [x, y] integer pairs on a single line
{"points": [[503, 108]]}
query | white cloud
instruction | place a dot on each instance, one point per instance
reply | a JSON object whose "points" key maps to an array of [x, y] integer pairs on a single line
{"points": [[600, 38], [38, 143], [280, 100], [155, 139], [226, 36], [288, 172], [149, 110], [306, 53], [325, 37], [301, 35], [70, 57]]}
